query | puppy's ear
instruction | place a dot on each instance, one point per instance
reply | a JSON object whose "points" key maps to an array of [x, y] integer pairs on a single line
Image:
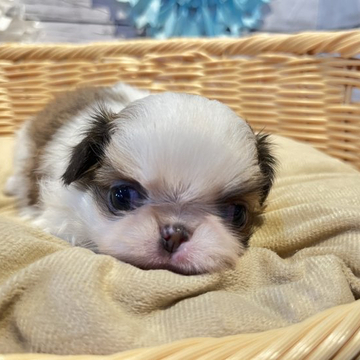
{"points": [[89, 152], [267, 163]]}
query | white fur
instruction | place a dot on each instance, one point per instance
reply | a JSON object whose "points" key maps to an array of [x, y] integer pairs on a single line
{"points": [[185, 139], [182, 149], [18, 184]]}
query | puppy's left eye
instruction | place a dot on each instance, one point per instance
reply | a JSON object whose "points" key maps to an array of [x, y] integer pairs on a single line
{"points": [[237, 214], [124, 198]]}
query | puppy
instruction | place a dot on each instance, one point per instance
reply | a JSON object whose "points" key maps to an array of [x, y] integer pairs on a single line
{"points": [[165, 181]]}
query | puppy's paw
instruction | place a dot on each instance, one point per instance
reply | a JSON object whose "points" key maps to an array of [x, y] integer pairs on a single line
{"points": [[28, 213], [11, 186], [41, 223]]}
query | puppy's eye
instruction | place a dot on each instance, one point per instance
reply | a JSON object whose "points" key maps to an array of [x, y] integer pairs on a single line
{"points": [[237, 215], [124, 197]]}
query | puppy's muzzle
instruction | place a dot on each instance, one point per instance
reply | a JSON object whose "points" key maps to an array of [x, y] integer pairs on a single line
{"points": [[172, 236]]}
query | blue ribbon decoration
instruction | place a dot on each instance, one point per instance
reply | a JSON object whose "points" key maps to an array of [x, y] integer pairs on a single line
{"points": [[195, 18]]}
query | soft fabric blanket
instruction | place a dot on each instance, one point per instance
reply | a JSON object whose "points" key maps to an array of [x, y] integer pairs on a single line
{"points": [[305, 258]]}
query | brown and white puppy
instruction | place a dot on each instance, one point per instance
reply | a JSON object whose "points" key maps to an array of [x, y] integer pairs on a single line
{"points": [[165, 181]]}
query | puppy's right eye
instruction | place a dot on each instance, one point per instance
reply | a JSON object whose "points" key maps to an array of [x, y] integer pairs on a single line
{"points": [[124, 198]]}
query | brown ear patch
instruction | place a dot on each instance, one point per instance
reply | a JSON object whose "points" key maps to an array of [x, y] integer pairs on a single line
{"points": [[88, 154], [267, 163], [43, 127]]}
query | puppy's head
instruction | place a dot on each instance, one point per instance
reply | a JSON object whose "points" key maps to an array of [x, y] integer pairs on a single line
{"points": [[176, 181]]}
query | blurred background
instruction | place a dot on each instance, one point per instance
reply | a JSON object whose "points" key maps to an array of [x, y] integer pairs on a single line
{"points": [[79, 21]]}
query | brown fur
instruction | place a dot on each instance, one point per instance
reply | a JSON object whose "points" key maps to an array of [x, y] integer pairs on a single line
{"points": [[45, 124]]}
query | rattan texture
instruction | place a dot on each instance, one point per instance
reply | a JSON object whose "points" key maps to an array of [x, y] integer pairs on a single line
{"points": [[305, 86]]}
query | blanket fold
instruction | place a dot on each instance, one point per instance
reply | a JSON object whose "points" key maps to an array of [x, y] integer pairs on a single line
{"points": [[305, 258]]}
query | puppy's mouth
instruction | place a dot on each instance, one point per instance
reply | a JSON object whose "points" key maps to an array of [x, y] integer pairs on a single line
{"points": [[171, 252], [175, 262]]}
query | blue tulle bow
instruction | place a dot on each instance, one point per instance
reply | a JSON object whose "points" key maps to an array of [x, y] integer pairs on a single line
{"points": [[195, 18]]}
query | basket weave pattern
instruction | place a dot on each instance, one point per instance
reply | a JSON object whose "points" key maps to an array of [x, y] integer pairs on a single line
{"points": [[301, 86]]}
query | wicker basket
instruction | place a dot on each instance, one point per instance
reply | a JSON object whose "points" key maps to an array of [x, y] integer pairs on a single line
{"points": [[304, 86]]}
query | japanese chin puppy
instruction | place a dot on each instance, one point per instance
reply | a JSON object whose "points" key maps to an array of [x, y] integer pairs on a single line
{"points": [[165, 181]]}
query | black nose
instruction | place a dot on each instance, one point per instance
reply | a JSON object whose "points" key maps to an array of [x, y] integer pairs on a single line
{"points": [[172, 236]]}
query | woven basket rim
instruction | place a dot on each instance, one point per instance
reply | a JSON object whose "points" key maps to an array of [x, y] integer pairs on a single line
{"points": [[321, 43]]}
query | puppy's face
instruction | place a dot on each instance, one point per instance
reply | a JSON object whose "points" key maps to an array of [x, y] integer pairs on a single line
{"points": [[176, 182]]}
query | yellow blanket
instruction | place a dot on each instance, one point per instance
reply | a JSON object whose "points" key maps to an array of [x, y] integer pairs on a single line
{"points": [[59, 299]]}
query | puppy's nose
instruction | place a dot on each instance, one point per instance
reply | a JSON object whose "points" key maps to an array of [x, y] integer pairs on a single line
{"points": [[172, 236]]}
